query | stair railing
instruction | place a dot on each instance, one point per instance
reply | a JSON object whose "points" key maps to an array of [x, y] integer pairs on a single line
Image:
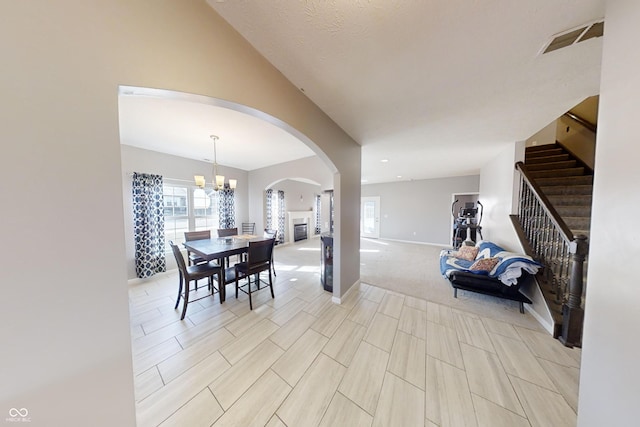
{"points": [[563, 254]]}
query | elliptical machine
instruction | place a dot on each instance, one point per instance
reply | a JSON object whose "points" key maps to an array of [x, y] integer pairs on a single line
{"points": [[466, 224]]}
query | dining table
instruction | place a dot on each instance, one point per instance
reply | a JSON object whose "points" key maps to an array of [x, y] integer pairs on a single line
{"points": [[219, 248]]}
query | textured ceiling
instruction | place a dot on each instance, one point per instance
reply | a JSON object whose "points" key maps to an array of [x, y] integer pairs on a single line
{"points": [[436, 87]]}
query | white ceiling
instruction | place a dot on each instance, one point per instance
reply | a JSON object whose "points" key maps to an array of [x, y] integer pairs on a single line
{"points": [[436, 87], [181, 124]]}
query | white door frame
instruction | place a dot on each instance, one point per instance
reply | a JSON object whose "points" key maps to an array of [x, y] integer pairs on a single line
{"points": [[376, 232], [454, 197]]}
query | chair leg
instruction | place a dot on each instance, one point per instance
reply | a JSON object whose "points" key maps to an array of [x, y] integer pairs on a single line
{"points": [[179, 291], [191, 263], [186, 299], [271, 284], [249, 288], [273, 267]]}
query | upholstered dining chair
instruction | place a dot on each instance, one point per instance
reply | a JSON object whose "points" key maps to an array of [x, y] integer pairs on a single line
{"points": [[192, 273], [270, 233], [196, 235], [258, 260]]}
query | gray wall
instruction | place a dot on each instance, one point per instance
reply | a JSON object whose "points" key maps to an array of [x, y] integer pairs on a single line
{"points": [[171, 168], [62, 67], [419, 211], [577, 138], [298, 196], [312, 169]]}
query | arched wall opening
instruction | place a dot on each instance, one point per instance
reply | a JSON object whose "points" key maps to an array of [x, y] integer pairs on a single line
{"points": [[71, 136], [162, 130]]}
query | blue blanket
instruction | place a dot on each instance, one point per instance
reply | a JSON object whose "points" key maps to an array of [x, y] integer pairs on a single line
{"points": [[508, 269]]}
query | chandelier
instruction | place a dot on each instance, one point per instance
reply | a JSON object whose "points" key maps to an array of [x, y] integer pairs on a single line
{"points": [[218, 180]]}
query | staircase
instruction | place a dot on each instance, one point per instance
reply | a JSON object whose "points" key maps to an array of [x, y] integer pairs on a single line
{"points": [[553, 222], [567, 183]]}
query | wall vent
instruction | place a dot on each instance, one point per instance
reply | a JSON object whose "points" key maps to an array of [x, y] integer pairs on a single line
{"points": [[574, 35]]}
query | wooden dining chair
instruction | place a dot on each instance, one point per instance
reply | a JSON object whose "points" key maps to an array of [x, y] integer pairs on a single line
{"points": [[192, 273], [227, 232], [196, 235], [248, 228], [270, 233], [258, 260]]}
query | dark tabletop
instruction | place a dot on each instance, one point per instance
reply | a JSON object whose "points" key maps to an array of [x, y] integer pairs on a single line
{"points": [[220, 247]]}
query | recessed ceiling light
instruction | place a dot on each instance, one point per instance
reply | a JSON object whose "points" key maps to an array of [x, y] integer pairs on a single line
{"points": [[364, 180], [384, 160], [399, 176]]}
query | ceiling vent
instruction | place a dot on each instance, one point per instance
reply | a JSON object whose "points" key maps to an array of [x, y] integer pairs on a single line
{"points": [[575, 35]]}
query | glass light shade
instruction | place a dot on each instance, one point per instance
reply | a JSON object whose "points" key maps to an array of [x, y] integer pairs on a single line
{"points": [[233, 183], [200, 182], [220, 181]]}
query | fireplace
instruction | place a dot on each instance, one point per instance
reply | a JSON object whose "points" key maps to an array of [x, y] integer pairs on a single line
{"points": [[300, 222], [300, 232]]}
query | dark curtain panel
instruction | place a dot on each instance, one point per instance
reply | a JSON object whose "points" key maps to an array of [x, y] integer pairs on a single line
{"points": [[268, 206], [318, 219], [281, 216], [148, 215], [227, 208]]}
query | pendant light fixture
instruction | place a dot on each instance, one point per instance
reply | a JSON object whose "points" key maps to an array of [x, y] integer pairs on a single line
{"points": [[218, 180]]}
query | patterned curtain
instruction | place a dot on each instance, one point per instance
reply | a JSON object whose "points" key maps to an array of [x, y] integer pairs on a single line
{"points": [[281, 216], [268, 194], [227, 208], [318, 219], [148, 213]]}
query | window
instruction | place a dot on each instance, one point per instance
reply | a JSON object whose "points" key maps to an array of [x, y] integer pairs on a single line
{"points": [[188, 209], [205, 210], [176, 214], [275, 209]]}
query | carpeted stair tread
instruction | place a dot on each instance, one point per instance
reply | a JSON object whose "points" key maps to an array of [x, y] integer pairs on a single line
{"points": [[574, 211], [579, 232], [579, 171], [548, 159], [541, 153], [565, 180], [578, 222], [552, 165], [542, 147], [569, 189], [569, 199]]}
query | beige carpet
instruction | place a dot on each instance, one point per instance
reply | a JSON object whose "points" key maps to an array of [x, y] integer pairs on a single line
{"points": [[414, 269], [408, 268]]}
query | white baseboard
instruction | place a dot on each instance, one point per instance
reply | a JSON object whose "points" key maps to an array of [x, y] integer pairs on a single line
{"points": [[416, 242], [546, 325], [137, 280], [338, 300]]}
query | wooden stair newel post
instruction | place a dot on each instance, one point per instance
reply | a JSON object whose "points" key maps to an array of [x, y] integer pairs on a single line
{"points": [[572, 311]]}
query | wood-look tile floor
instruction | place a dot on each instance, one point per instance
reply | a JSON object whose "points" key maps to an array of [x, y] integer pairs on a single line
{"points": [[378, 359]]}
